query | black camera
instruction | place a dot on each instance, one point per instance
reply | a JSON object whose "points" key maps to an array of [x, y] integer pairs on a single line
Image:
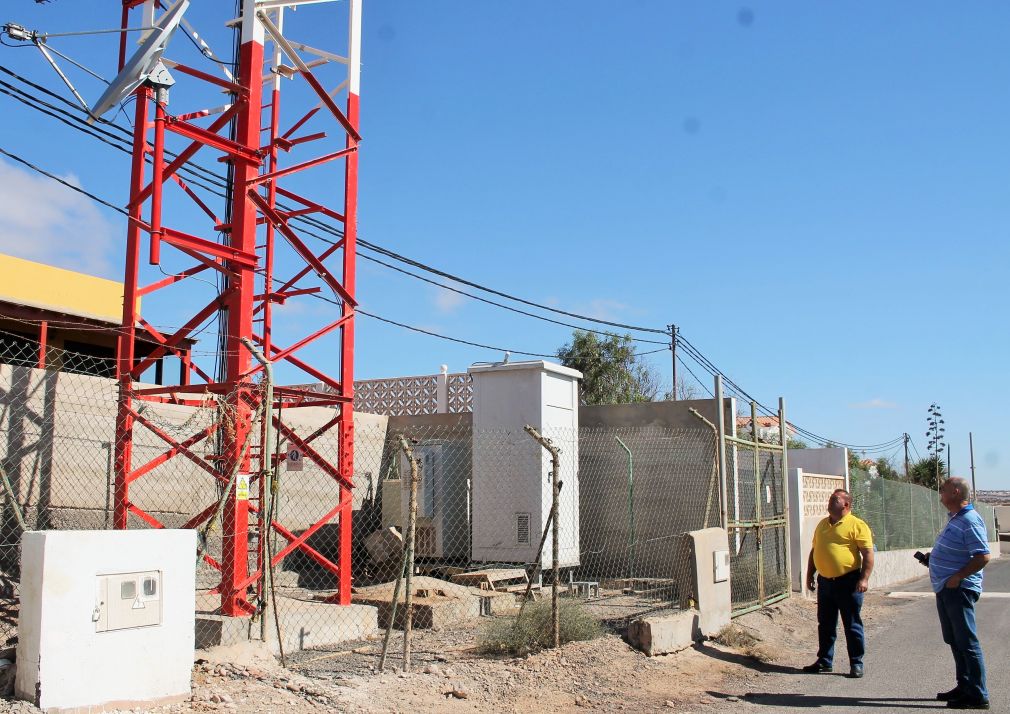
{"points": [[921, 557]]}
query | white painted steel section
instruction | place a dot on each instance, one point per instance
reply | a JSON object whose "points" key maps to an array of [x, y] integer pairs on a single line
{"points": [[252, 28], [511, 473], [354, 48], [63, 662]]}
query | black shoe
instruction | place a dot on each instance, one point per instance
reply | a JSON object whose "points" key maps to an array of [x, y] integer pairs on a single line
{"points": [[856, 671], [967, 703], [817, 667], [947, 696]]}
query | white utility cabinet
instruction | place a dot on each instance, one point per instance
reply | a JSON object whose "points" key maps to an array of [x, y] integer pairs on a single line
{"points": [[511, 480], [107, 619]]}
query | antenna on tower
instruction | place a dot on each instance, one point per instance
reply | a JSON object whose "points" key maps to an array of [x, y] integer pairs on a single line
{"points": [[145, 65]]}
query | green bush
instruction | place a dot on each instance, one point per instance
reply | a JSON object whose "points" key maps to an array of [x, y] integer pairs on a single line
{"points": [[532, 632]]}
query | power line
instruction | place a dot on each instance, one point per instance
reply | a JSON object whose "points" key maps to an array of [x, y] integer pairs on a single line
{"points": [[207, 174]]}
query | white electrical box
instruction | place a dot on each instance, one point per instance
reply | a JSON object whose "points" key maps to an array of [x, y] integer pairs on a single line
{"points": [[720, 566], [106, 619], [127, 600], [511, 479]]}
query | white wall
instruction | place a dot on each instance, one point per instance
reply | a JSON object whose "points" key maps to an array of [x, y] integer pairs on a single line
{"points": [[62, 661]]}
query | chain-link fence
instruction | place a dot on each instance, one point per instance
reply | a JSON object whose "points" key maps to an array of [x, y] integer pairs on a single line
{"points": [[627, 498], [904, 515]]}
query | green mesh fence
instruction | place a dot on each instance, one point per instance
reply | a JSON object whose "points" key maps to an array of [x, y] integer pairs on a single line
{"points": [[904, 515]]}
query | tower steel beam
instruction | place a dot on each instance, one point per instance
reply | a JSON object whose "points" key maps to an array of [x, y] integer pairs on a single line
{"points": [[244, 253]]}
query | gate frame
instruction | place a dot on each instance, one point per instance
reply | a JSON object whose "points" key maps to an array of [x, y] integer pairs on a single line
{"points": [[731, 517]]}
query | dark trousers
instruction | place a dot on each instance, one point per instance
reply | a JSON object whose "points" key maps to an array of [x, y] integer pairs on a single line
{"points": [[836, 597], [956, 607]]}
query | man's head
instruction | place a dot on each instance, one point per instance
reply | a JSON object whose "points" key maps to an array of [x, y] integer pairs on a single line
{"points": [[955, 493], [840, 503]]}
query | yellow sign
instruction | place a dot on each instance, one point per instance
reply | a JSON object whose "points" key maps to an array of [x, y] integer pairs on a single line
{"points": [[242, 487]]}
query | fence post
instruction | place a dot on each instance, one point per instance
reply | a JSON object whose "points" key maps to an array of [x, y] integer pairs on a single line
{"points": [[883, 507], [720, 409], [408, 599], [784, 441], [555, 453], [759, 536], [442, 390]]}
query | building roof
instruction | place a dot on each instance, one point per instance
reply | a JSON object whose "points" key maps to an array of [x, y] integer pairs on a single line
{"points": [[58, 290]]}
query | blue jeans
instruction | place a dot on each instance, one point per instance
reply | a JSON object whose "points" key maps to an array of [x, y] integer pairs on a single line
{"points": [[838, 596], [956, 607]]}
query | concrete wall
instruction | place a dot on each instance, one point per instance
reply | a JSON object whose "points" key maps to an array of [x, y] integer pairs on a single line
{"points": [[63, 662], [832, 462], [1003, 518], [57, 434], [893, 567], [674, 488], [669, 415]]}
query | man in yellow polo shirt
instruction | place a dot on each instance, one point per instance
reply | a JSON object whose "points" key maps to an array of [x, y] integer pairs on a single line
{"points": [[842, 557]]}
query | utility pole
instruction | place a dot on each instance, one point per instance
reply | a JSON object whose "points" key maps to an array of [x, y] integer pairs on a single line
{"points": [[673, 356], [971, 452], [907, 477]]}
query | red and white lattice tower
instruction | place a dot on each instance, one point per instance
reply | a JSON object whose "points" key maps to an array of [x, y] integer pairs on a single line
{"points": [[259, 234]]}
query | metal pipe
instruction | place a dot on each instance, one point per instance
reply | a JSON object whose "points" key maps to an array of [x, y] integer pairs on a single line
{"points": [[720, 409], [757, 504], [784, 438], [408, 599], [555, 544], [631, 509], [715, 465], [266, 474]]}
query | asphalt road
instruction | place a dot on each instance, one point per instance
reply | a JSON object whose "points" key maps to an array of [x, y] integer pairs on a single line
{"points": [[907, 662]]}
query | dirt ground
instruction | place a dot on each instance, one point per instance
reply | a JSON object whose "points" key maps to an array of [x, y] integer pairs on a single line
{"points": [[449, 676]]}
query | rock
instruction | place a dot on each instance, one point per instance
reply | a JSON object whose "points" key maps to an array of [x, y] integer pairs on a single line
{"points": [[732, 699], [456, 694], [670, 704], [432, 669]]}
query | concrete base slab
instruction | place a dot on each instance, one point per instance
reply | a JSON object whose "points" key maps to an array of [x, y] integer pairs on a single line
{"points": [[666, 634], [305, 624]]}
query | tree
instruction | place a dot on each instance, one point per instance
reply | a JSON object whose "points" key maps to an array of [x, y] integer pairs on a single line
{"points": [[885, 469], [611, 371], [923, 472], [685, 391], [793, 443]]}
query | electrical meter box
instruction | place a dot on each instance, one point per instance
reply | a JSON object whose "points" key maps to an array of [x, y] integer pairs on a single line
{"points": [[107, 619], [125, 600]]}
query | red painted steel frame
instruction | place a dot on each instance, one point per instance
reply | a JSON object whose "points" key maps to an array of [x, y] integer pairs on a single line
{"points": [[256, 171]]}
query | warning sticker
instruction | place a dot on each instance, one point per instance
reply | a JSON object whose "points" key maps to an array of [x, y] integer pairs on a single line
{"points": [[294, 459], [242, 487]]}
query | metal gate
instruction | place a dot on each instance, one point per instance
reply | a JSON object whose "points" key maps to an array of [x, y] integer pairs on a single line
{"points": [[756, 508]]}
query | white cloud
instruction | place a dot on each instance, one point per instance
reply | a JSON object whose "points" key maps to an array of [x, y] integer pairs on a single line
{"points": [[604, 309], [44, 221], [447, 300], [875, 403]]}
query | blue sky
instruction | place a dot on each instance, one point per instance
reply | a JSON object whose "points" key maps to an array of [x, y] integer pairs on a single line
{"points": [[817, 194]]}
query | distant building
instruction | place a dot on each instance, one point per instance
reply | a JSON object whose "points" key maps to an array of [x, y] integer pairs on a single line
{"points": [[62, 319], [767, 428]]}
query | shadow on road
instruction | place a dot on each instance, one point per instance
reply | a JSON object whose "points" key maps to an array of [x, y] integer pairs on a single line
{"points": [[814, 701], [745, 660]]}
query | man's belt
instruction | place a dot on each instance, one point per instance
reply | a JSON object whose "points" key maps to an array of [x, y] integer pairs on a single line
{"points": [[844, 575]]}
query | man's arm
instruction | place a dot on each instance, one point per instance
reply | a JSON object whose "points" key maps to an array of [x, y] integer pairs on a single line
{"points": [[811, 583], [974, 565], [865, 570]]}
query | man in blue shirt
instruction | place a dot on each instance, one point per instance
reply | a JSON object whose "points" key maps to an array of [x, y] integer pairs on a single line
{"points": [[955, 571]]}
